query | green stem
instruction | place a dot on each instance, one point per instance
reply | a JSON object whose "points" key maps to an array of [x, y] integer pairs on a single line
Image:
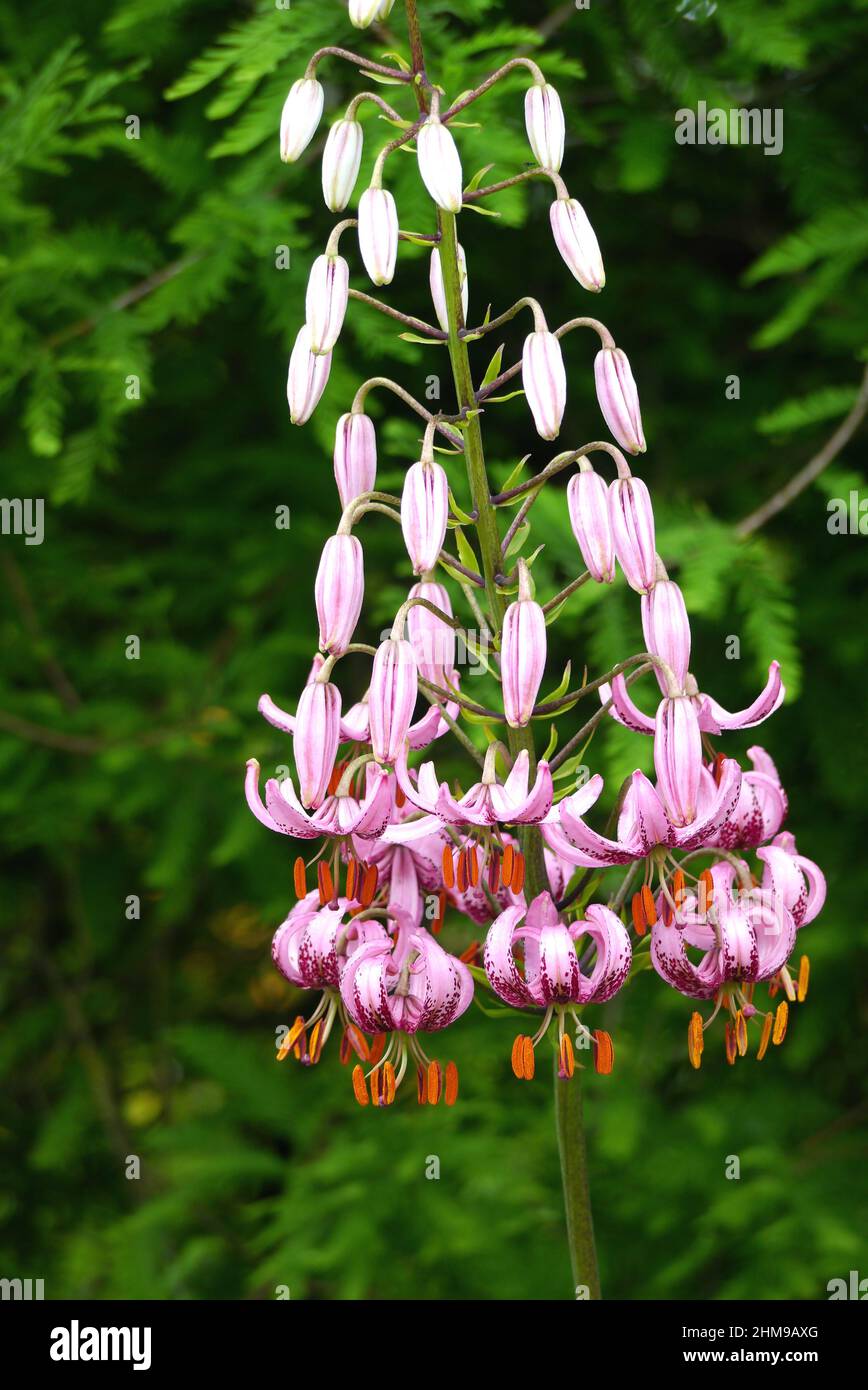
{"points": [[574, 1171]]}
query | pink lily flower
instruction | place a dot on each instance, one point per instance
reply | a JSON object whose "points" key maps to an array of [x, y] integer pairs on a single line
{"points": [[339, 591], [487, 803], [713, 718], [791, 879], [316, 737], [678, 757], [632, 519], [619, 399], [355, 724], [341, 813], [392, 697], [523, 653], [355, 456], [544, 379], [424, 512], [761, 807], [644, 822], [667, 629], [588, 503]]}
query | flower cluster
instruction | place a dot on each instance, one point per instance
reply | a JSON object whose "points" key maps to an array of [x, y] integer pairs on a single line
{"points": [[398, 847]]}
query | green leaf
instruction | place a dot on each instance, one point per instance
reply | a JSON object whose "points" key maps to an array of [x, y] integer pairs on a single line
{"points": [[828, 403], [417, 338], [493, 369], [477, 177]]}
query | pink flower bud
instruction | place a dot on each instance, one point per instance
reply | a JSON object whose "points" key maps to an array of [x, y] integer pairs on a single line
{"points": [[339, 590], [424, 510], [633, 531], [575, 239], [300, 117], [433, 640], [522, 653], [392, 697], [378, 234], [545, 381], [316, 737], [438, 291], [355, 456], [588, 502], [544, 119], [619, 399], [307, 377], [341, 159], [678, 757], [363, 12], [440, 165], [326, 301], [666, 628]]}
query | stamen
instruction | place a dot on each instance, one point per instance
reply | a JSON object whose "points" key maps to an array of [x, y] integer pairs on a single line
{"points": [[706, 890], [782, 1013], [765, 1036], [377, 1048], [528, 1058], [344, 1049], [326, 886], [358, 1042], [471, 953], [291, 1037], [566, 1058], [472, 865], [517, 879], [637, 908], [648, 905], [298, 878], [376, 1079], [461, 871], [717, 770], [315, 1043], [448, 868], [508, 864], [337, 773], [517, 1058], [741, 1033], [451, 1091], [604, 1056], [695, 1040], [804, 975], [494, 873], [389, 1083], [351, 880], [679, 888], [369, 885], [435, 1082], [774, 986], [731, 1046], [422, 1085], [787, 982], [400, 798], [359, 1087]]}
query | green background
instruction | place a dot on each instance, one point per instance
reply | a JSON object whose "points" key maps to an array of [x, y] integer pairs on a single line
{"points": [[155, 257]]}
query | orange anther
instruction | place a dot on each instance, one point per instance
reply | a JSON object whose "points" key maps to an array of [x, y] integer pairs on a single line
{"points": [[774, 986], [472, 865], [389, 1085], [435, 1082], [765, 1037], [290, 1038], [494, 873], [337, 773], [604, 1053], [649, 905], [359, 1087], [695, 1040], [461, 871], [298, 878], [448, 868], [804, 976], [717, 769], [369, 886], [731, 1045], [741, 1033], [507, 865], [517, 880], [528, 1058], [469, 956], [351, 880], [779, 1031], [377, 1087], [706, 890], [517, 1057], [315, 1042], [637, 908], [422, 1085], [400, 798], [377, 1048], [566, 1059], [450, 1094], [679, 888], [324, 880]]}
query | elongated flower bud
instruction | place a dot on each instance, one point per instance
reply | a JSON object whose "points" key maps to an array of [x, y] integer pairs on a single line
{"points": [[326, 301], [438, 291], [678, 757], [385, 9], [588, 502], [440, 165], [632, 519], [300, 117], [545, 381], [433, 640], [316, 737], [378, 234], [666, 628], [307, 377], [577, 242], [544, 119], [339, 590], [424, 511], [341, 159], [619, 399], [363, 12], [522, 653], [392, 697], [355, 456]]}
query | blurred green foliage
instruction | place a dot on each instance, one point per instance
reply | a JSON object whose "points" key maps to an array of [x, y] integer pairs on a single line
{"points": [[155, 258]]}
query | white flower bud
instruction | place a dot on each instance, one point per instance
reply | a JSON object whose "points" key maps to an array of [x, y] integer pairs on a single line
{"points": [[300, 117], [438, 290], [363, 12], [440, 165], [545, 381], [340, 163], [307, 377], [575, 239], [326, 301], [544, 119], [378, 234]]}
